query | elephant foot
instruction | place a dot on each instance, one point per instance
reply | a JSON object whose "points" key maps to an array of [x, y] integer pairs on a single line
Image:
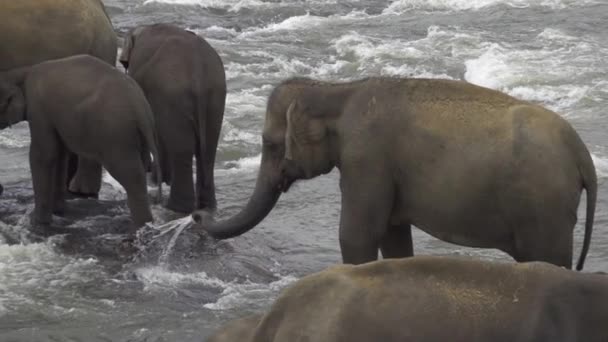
{"points": [[40, 220], [182, 209], [1, 189], [60, 210], [75, 195]]}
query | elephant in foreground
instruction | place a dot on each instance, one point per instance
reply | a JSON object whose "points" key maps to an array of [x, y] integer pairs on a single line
{"points": [[466, 164], [34, 31], [428, 299], [82, 105], [183, 78]]}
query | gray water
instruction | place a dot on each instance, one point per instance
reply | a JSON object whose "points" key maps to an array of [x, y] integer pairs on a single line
{"points": [[90, 285]]}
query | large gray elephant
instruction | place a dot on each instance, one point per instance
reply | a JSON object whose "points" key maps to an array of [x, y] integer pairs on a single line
{"points": [[429, 299], [83, 105], [184, 81], [33, 31], [466, 164]]}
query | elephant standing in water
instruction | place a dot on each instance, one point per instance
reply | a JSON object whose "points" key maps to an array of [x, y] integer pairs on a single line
{"points": [[184, 81], [466, 164], [86, 106], [430, 299], [34, 31]]}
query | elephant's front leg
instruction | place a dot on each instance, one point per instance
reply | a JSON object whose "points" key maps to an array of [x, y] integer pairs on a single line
{"points": [[87, 180], [44, 158], [397, 241], [367, 201]]}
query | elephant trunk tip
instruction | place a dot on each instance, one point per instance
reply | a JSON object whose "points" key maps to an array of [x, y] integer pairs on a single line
{"points": [[202, 219]]}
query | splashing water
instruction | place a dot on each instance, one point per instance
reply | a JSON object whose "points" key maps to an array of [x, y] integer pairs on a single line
{"points": [[175, 226]]}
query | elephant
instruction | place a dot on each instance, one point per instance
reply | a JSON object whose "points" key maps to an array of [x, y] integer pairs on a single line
{"points": [[184, 81], [237, 330], [83, 105], [433, 298], [34, 31], [464, 163]]}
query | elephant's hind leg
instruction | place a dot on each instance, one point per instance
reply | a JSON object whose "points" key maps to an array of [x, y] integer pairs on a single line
{"points": [[397, 242], [205, 160], [181, 198], [61, 176], [129, 171]]}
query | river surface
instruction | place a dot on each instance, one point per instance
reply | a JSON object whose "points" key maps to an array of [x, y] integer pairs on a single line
{"points": [[171, 284]]}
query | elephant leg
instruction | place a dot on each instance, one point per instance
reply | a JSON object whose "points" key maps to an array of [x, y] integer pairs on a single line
{"points": [[181, 198], [87, 181], [205, 160], [44, 159], [366, 204], [165, 166], [397, 242], [536, 243], [129, 171], [59, 204], [71, 168]]}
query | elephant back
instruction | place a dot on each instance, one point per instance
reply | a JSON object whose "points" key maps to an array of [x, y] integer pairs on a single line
{"points": [[33, 31]]}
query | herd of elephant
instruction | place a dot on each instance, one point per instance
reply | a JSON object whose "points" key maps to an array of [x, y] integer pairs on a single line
{"points": [[466, 164]]}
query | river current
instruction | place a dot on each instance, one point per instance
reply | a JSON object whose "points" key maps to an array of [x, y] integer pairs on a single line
{"points": [[172, 284]]}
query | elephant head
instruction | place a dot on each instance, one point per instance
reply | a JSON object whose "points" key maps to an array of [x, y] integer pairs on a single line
{"points": [[298, 142], [12, 103], [128, 45]]}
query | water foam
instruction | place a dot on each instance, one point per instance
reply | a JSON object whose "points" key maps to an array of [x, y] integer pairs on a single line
{"points": [[237, 5], [601, 166], [15, 138], [246, 164], [396, 57], [158, 278], [230, 5], [30, 272], [401, 6], [543, 74]]}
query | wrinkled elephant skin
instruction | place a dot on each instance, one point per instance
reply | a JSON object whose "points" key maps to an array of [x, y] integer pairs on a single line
{"points": [[34, 31], [183, 78], [466, 164], [86, 106], [429, 299]]}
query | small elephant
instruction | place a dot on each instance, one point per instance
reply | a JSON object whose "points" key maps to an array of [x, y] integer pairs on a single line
{"points": [[466, 164], [183, 78], [34, 31], [83, 105], [429, 299]]}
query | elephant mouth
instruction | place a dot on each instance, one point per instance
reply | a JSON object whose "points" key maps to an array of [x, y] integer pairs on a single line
{"points": [[285, 184], [290, 172]]}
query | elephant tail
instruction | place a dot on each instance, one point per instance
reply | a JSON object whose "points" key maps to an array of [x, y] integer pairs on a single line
{"points": [[590, 184]]}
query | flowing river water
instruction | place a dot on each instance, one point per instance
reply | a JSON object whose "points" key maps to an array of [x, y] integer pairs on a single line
{"points": [[174, 285]]}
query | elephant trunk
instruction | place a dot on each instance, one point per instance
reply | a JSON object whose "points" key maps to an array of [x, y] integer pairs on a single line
{"points": [[265, 196]]}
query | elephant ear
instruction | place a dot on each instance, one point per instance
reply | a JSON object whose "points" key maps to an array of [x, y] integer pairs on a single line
{"points": [[127, 47], [12, 106], [302, 129]]}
